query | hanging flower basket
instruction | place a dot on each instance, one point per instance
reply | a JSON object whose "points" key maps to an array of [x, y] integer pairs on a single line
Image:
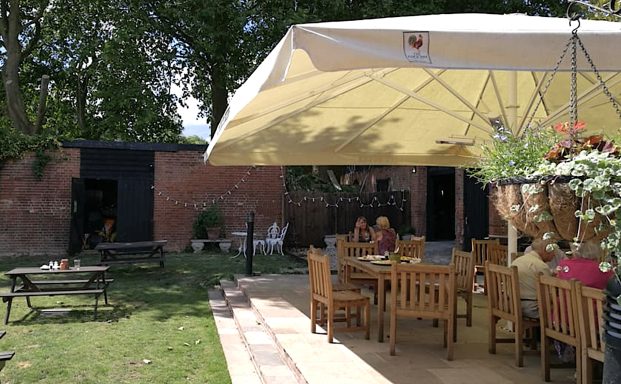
{"points": [[547, 206]]}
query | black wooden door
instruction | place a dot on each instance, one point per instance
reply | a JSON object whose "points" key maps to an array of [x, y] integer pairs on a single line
{"points": [[440, 203], [135, 210], [476, 220], [133, 171], [76, 234]]}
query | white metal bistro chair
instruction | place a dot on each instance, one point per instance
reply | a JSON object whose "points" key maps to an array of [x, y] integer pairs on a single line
{"points": [[271, 242]]}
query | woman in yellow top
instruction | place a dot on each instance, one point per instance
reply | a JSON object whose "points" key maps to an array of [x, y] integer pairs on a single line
{"points": [[385, 236]]}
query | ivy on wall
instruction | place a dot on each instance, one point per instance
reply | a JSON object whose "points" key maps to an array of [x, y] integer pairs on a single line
{"points": [[14, 144]]}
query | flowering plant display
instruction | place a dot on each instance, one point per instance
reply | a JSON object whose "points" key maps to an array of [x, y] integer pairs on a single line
{"points": [[557, 183]]}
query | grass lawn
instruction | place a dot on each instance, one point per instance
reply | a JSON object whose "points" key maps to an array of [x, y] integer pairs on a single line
{"points": [[159, 327]]}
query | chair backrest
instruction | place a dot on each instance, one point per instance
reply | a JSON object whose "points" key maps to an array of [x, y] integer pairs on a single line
{"points": [[479, 250], [558, 313], [283, 232], [503, 292], [319, 276], [464, 266], [415, 247], [590, 319], [497, 254], [273, 231], [355, 249], [342, 236], [426, 291]]}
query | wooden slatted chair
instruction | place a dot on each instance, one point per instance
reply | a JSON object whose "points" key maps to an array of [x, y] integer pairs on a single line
{"points": [[322, 294], [415, 247], [590, 320], [558, 317], [464, 266], [354, 249], [435, 301], [479, 250], [498, 254], [503, 298], [338, 286]]}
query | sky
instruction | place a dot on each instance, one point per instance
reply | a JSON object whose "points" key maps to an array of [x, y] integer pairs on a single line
{"points": [[192, 125]]}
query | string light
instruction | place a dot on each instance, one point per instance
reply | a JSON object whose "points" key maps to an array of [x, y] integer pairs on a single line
{"points": [[204, 203], [375, 202]]}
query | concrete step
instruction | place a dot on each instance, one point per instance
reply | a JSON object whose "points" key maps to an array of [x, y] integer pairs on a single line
{"points": [[238, 359], [270, 361]]}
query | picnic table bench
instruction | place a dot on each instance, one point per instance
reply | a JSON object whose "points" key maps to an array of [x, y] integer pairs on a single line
{"points": [[132, 252], [6, 355], [96, 284]]}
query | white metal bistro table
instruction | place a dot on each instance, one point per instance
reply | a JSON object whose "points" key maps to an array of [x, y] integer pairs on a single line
{"points": [[242, 245]]}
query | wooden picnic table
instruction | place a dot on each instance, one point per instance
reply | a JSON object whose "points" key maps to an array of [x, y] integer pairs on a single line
{"points": [[132, 252], [87, 280]]}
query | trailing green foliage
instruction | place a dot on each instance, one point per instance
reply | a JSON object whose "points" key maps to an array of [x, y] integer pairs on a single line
{"points": [[13, 145], [509, 156]]}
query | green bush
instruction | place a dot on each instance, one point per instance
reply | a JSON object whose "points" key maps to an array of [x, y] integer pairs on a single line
{"points": [[210, 218]]}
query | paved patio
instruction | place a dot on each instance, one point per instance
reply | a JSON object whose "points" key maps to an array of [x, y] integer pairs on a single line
{"points": [[280, 305]]}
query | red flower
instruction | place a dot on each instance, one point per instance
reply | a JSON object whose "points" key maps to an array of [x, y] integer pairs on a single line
{"points": [[564, 127]]}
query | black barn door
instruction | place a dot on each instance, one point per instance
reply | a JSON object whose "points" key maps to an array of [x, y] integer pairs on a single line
{"points": [[131, 171], [476, 219], [135, 210]]}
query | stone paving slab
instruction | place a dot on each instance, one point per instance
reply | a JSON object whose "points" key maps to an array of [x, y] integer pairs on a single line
{"points": [[239, 363], [260, 345], [282, 302]]}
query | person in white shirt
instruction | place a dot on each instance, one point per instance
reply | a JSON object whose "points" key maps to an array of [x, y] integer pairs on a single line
{"points": [[529, 266]]}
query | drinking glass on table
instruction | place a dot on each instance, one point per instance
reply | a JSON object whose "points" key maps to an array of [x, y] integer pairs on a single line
{"points": [[76, 263]]}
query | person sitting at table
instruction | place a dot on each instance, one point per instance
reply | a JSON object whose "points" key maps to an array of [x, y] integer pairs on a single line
{"points": [[386, 237], [529, 266], [583, 266], [362, 231]]}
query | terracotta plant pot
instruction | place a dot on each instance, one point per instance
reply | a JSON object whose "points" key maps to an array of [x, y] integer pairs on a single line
{"points": [[213, 233]]}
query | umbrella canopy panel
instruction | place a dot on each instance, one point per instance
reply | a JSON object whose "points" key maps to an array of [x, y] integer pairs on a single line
{"points": [[293, 113]]}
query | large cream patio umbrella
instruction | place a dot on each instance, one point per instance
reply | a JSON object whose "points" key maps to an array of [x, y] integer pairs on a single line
{"points": [[418, 90]]}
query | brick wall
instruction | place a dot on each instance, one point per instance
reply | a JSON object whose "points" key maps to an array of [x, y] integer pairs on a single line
{"points": [[35, 214], [184, 177]]}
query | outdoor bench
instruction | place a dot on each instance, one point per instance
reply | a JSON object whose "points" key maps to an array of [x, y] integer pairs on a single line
{"points": [[6, 355], [129, 252], [96, 285]]}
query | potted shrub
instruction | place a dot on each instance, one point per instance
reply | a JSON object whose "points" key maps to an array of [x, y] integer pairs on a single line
{"points": [[208, 223]]}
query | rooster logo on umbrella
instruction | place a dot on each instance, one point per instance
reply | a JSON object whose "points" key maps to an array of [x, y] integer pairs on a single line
{"points": [[416, 42]]}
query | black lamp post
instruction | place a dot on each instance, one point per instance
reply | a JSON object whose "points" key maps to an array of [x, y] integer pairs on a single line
{"points": [[249, 243]]}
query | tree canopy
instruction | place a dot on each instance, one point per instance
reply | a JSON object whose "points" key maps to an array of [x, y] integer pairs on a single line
{"points": [[112, 64]]}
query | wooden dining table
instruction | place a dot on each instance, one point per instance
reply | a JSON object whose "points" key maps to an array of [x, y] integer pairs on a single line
{"points": [[381, 273]]}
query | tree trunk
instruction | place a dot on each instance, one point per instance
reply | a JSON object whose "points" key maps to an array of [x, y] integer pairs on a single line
{"points": [[10, 74], [81, 93], [45, 82], [219, 96], [14, 99]]}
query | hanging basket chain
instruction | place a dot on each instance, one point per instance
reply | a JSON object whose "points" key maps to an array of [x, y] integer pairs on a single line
{"points": [[573, 42], [573, 85], [601, 81], [549, 82]]}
